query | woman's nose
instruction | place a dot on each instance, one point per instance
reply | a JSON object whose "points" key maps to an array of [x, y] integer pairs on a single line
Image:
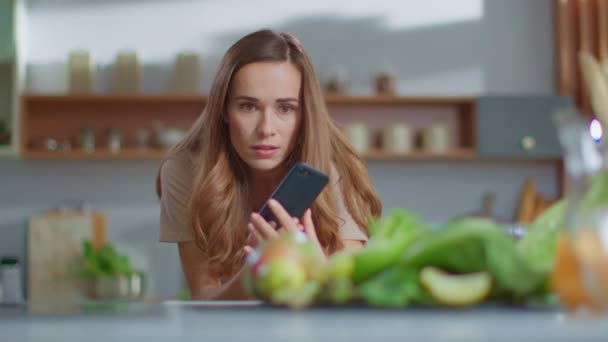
{"points": [[266, 124]]}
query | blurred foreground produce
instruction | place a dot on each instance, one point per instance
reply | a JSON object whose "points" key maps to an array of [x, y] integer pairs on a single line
{"points": [[285, 271], [462, 263]]}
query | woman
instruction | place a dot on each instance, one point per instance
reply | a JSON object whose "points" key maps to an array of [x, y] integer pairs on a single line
{"points": [[264, 113]]}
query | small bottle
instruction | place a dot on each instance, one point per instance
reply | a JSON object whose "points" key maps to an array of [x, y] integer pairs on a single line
{"points": [[10, 273]]}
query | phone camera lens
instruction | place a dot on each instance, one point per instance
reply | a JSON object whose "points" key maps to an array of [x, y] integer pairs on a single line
{"points": [[304, 172]]}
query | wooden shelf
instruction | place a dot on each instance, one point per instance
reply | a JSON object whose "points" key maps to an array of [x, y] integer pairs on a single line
{"points": [[461, 154], [114, 98], [126, 154], [195, 98], [61, 116], [458, 154], [398, 100]]}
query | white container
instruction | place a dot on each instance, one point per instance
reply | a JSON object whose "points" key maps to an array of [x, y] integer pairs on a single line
{"points": [[127, 73], [358, 135], [397, 139], [187, 73], [81, 72], [435, 139]]}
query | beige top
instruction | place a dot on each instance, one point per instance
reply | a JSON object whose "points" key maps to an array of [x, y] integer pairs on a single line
{"points": [[177, 175]]}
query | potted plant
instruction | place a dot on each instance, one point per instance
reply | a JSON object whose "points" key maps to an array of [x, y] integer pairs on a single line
{"points": [[108, 274]]}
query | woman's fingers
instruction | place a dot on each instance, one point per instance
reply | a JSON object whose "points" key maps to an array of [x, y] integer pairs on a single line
{"points": [[311, 232], [261, 230], [285, 220], [248, 249], [260, 225], [254, 234], [309, 226]]}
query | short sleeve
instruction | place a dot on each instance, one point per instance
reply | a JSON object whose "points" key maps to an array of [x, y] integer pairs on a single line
{"points": [[176, 178], [349, 230]]}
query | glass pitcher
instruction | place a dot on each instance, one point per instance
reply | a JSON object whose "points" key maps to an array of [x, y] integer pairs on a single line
{"points": [[580, 277]]}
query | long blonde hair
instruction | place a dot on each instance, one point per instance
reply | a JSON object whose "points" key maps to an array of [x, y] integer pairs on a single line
{"points": [[219, 205]]}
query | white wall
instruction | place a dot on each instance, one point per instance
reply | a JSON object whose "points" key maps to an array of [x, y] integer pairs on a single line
{"points": [[435, 46], [450, 46]]}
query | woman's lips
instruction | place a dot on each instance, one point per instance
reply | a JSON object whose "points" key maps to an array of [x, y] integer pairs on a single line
{"points": [[265, 151]]}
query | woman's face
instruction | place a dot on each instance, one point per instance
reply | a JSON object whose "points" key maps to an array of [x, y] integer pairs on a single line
{"points": [[264, 113]]}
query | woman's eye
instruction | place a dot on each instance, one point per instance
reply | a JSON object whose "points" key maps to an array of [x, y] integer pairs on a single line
{"points": [[247, 107], [286, 109]]}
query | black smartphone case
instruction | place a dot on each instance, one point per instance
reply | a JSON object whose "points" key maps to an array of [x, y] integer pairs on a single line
{"points": [[297, 191]]}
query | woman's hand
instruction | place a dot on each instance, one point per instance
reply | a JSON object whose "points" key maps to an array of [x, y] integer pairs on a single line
{"points": [[261, 230]]}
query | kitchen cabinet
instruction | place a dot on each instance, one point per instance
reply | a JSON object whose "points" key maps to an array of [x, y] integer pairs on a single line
{"points": [[11, 58], [519, 127]]}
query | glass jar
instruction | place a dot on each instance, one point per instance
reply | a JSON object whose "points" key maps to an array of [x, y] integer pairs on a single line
{"points": [[114, 140], [87, 139], [580, 277]]}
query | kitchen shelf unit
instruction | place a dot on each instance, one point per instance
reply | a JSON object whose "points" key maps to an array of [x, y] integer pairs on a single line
{"points": [[61, 116]]}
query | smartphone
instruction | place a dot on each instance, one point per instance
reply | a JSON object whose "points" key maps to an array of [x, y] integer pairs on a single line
{"points": [[297, 191]]}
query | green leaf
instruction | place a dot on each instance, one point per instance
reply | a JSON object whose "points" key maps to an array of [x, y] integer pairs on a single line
{"points": [[470, 244], [509, 268], [103, 262], [538, 246], [457, 247], [393, 235], [394, 287], [597, 192]]}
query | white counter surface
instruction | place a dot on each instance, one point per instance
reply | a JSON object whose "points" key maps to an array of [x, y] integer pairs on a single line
{"points": [[251, 321]]}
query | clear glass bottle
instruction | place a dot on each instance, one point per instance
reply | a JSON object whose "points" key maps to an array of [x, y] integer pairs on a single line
{"points": [[580, 278]]}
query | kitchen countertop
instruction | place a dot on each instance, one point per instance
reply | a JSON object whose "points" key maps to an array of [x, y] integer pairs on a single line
{"points": [[235, 321]]}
